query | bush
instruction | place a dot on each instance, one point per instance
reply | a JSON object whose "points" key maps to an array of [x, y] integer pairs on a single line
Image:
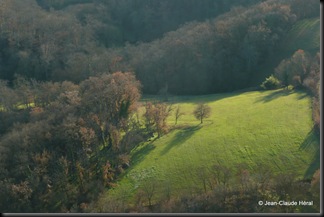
{"points": [[270, 83]]}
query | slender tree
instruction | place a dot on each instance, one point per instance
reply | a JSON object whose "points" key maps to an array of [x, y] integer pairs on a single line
{"points": [[178, 114]]}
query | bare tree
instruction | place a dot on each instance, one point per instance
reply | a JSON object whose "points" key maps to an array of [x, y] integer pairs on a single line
{"points": [[202, 111], [178, 114], [149, 189]]}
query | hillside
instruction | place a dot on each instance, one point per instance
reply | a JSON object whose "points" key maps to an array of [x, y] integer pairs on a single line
{"points": [[191, 47], [304, 34], [270, 128], [87, 87]]}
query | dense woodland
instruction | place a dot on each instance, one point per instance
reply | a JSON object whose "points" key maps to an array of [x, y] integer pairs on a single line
{"points": [[72, 73], [173, 44]]}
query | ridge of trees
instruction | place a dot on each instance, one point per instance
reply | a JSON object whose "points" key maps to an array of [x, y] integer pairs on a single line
{"points": [[209, 56], [144, 20], [218, 55]]}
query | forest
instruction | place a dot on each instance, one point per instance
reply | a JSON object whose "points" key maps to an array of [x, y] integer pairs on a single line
{"points": [[73, 75]]}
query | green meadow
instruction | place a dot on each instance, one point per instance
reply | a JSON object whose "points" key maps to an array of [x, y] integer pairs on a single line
{"points": [[268, 128]]}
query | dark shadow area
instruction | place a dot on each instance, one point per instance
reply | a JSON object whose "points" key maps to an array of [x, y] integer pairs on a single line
{"points": [[180, 137], [302, 96], [140, 154], [191, 99], [196, 99], [315, 165], [208, 98], [274, 95], [312, 143]]}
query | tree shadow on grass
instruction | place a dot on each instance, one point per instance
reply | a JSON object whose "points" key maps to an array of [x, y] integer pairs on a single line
{"points": [[302, 96], [180, 137], [315, 165], [140, 154], [311, 141], [312, 144], [274, 95]]}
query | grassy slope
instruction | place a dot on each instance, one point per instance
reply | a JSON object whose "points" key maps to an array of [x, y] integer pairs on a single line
{"points": [[305, 35], [273, 128]]}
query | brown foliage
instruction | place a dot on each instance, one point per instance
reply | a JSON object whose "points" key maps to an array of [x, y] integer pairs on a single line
{"points": [[155, 117], [111, 98]]}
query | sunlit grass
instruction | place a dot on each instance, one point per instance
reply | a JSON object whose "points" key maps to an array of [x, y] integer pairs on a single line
{"points": [[272, 128], [19, 106]]}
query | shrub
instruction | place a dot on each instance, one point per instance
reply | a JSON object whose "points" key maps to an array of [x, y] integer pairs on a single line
{"points": [[271, 83]]}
